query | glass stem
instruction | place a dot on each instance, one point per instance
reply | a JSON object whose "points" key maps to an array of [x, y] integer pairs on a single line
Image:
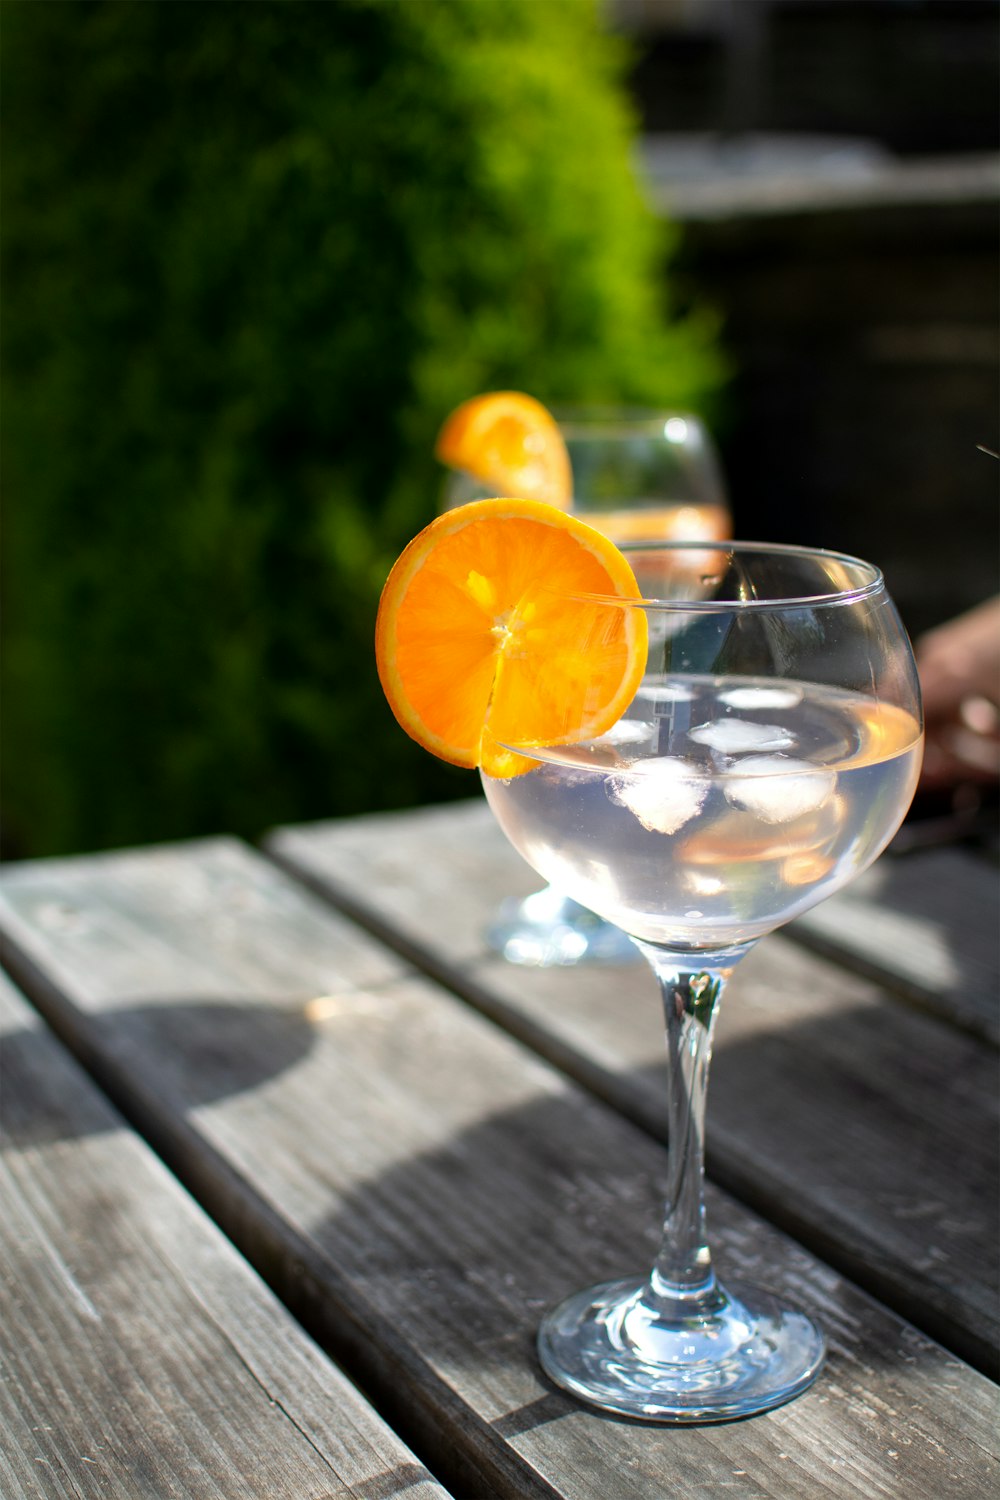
{"points": [[682, 1281]]}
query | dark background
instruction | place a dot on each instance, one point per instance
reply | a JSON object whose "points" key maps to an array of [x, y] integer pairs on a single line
{"points": [[839, 198], [253, 255]]}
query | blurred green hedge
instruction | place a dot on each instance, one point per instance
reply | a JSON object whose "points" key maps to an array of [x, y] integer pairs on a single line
{"points": [[253, 254]]}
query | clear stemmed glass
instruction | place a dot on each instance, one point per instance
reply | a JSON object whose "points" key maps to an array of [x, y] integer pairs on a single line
{"points": [[768, 756], [638, 475]]}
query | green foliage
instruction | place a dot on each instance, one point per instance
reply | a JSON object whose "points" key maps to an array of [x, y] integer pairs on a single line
{"points": [[253, 256]]}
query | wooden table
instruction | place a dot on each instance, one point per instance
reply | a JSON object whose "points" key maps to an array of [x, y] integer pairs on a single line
{"points": [[292, 1166]]}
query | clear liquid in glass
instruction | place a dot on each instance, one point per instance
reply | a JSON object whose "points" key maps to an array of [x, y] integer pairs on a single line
{"points": [[718, 808]]}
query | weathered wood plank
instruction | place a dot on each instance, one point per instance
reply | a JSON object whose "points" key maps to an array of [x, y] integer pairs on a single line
{"points": [[926, 923], [418, 1186], [142, 1357], [868, 1129]]}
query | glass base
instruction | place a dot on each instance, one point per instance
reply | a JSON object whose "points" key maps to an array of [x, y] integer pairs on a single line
{"points": [[614, 1348], [547, 929]]}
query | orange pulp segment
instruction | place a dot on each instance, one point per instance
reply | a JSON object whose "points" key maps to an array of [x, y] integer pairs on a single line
{"points": [[510, 442], [486, 637]]}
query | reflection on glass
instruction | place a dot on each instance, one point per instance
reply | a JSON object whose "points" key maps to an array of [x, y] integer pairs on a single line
{"points": [[638, 475]]}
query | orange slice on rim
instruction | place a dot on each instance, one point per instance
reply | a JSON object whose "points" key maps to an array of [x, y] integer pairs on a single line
{"points": [[490, 635], [510, 442]]}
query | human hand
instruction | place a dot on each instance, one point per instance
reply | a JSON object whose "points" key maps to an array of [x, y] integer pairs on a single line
{"points": [[959, 667]]}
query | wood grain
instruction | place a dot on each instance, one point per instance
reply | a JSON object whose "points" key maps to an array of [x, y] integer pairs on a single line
{"points": [[925, 924], [868, 1129], [142, 1357], [418, 1186]]}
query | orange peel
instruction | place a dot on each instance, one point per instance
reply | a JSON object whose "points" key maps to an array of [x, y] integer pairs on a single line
{"points": [[499, 631], [511, 443]]}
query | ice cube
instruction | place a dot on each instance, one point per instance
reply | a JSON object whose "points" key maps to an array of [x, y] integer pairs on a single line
{"points": [[778, 788], [630, 732], [734, 736], [664, 692], [663, 792], [762, 697]]}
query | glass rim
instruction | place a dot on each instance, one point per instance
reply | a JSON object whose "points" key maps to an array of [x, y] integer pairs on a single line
{"points": [[870, 583], [590, 419]]}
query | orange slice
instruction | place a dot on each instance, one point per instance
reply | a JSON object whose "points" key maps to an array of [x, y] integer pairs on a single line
{"points": [[511, 443], [486, 637]]}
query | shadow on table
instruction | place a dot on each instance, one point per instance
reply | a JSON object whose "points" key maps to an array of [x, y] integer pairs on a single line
{"points": [[884, 1160], [390, 1483], [185, 1055], [465, 1244]]}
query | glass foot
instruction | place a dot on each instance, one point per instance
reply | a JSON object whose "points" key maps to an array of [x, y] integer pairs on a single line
{"points": [[613, 1347], [547, 929]]}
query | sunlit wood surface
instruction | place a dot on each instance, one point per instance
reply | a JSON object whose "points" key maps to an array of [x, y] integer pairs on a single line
{"points": [[294, 1164]]}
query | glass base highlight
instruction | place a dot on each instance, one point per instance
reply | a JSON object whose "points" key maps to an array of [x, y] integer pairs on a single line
{"points": [[548, 930], [615, 1348]]}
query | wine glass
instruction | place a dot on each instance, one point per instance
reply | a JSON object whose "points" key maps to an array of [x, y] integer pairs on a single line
{"points": [[768, 756], [638, 475]]}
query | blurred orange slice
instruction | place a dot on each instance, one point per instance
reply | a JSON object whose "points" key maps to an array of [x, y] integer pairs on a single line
{"points": [[509, 442], [489, 635]]}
